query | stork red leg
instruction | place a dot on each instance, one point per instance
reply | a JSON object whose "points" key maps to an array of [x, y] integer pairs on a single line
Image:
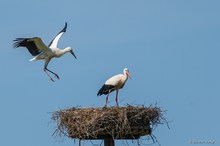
{"points": [[48, 75], [56, 75], [46, 69], [116, 99], [107, 100]]}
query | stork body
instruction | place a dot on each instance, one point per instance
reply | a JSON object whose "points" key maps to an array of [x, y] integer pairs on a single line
{"points": [[114, 83], [37, 48]]}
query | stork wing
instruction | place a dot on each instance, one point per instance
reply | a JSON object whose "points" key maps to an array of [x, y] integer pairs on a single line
{"points": [[54, 42], [34, 45], [115, 80]]}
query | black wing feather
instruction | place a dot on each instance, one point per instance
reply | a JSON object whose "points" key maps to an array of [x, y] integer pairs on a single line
{"points": [[28, 43], [63, 30], [106, 89]]}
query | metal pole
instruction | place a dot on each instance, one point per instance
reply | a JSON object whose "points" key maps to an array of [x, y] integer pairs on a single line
{"points": [[109, 142]]}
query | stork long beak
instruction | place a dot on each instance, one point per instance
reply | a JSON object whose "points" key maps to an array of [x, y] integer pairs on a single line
{"points": [[128, 75], [73, 54]]}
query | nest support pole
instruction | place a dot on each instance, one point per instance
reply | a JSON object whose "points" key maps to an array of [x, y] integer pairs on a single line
{"points": [[109, 142]]}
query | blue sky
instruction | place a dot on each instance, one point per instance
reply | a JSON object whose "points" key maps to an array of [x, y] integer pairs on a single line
{"points": [[170, 47]]}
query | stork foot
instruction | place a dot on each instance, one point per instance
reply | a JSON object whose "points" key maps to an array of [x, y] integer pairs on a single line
{"points": [[105, 106], [52, 79], [56, 75]]}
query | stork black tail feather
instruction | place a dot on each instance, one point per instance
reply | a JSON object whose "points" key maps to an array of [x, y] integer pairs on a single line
{"points": [[105, 89]]}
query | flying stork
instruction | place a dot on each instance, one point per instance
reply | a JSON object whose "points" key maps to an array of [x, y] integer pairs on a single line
{"points": [[114, 83], [37, 48]]}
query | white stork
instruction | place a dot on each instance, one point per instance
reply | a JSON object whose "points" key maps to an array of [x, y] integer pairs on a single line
{"points": [[114, 83], [37, 48]]}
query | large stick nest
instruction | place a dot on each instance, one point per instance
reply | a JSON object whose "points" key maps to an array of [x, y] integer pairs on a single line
{"points": [[98, 123]]}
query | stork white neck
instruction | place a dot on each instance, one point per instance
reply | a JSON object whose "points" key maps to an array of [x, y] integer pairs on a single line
{"points": [[67, 49], [62, 52]]}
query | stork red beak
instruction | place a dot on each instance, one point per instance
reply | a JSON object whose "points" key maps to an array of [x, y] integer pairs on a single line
{"points": [[128, 75]]}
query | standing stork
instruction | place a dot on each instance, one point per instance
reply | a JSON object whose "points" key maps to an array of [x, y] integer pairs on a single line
{"points": [[37, 48], [114, 83]]}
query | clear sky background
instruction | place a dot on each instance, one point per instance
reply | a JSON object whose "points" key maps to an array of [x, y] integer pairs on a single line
{"points": [[171, 48]]}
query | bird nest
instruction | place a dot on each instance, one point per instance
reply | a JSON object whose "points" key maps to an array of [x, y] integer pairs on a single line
{"points": [[128, 122]]}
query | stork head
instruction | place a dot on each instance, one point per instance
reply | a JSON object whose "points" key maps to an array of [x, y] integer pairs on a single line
{"points": [[126, 72], [69, 49]]}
